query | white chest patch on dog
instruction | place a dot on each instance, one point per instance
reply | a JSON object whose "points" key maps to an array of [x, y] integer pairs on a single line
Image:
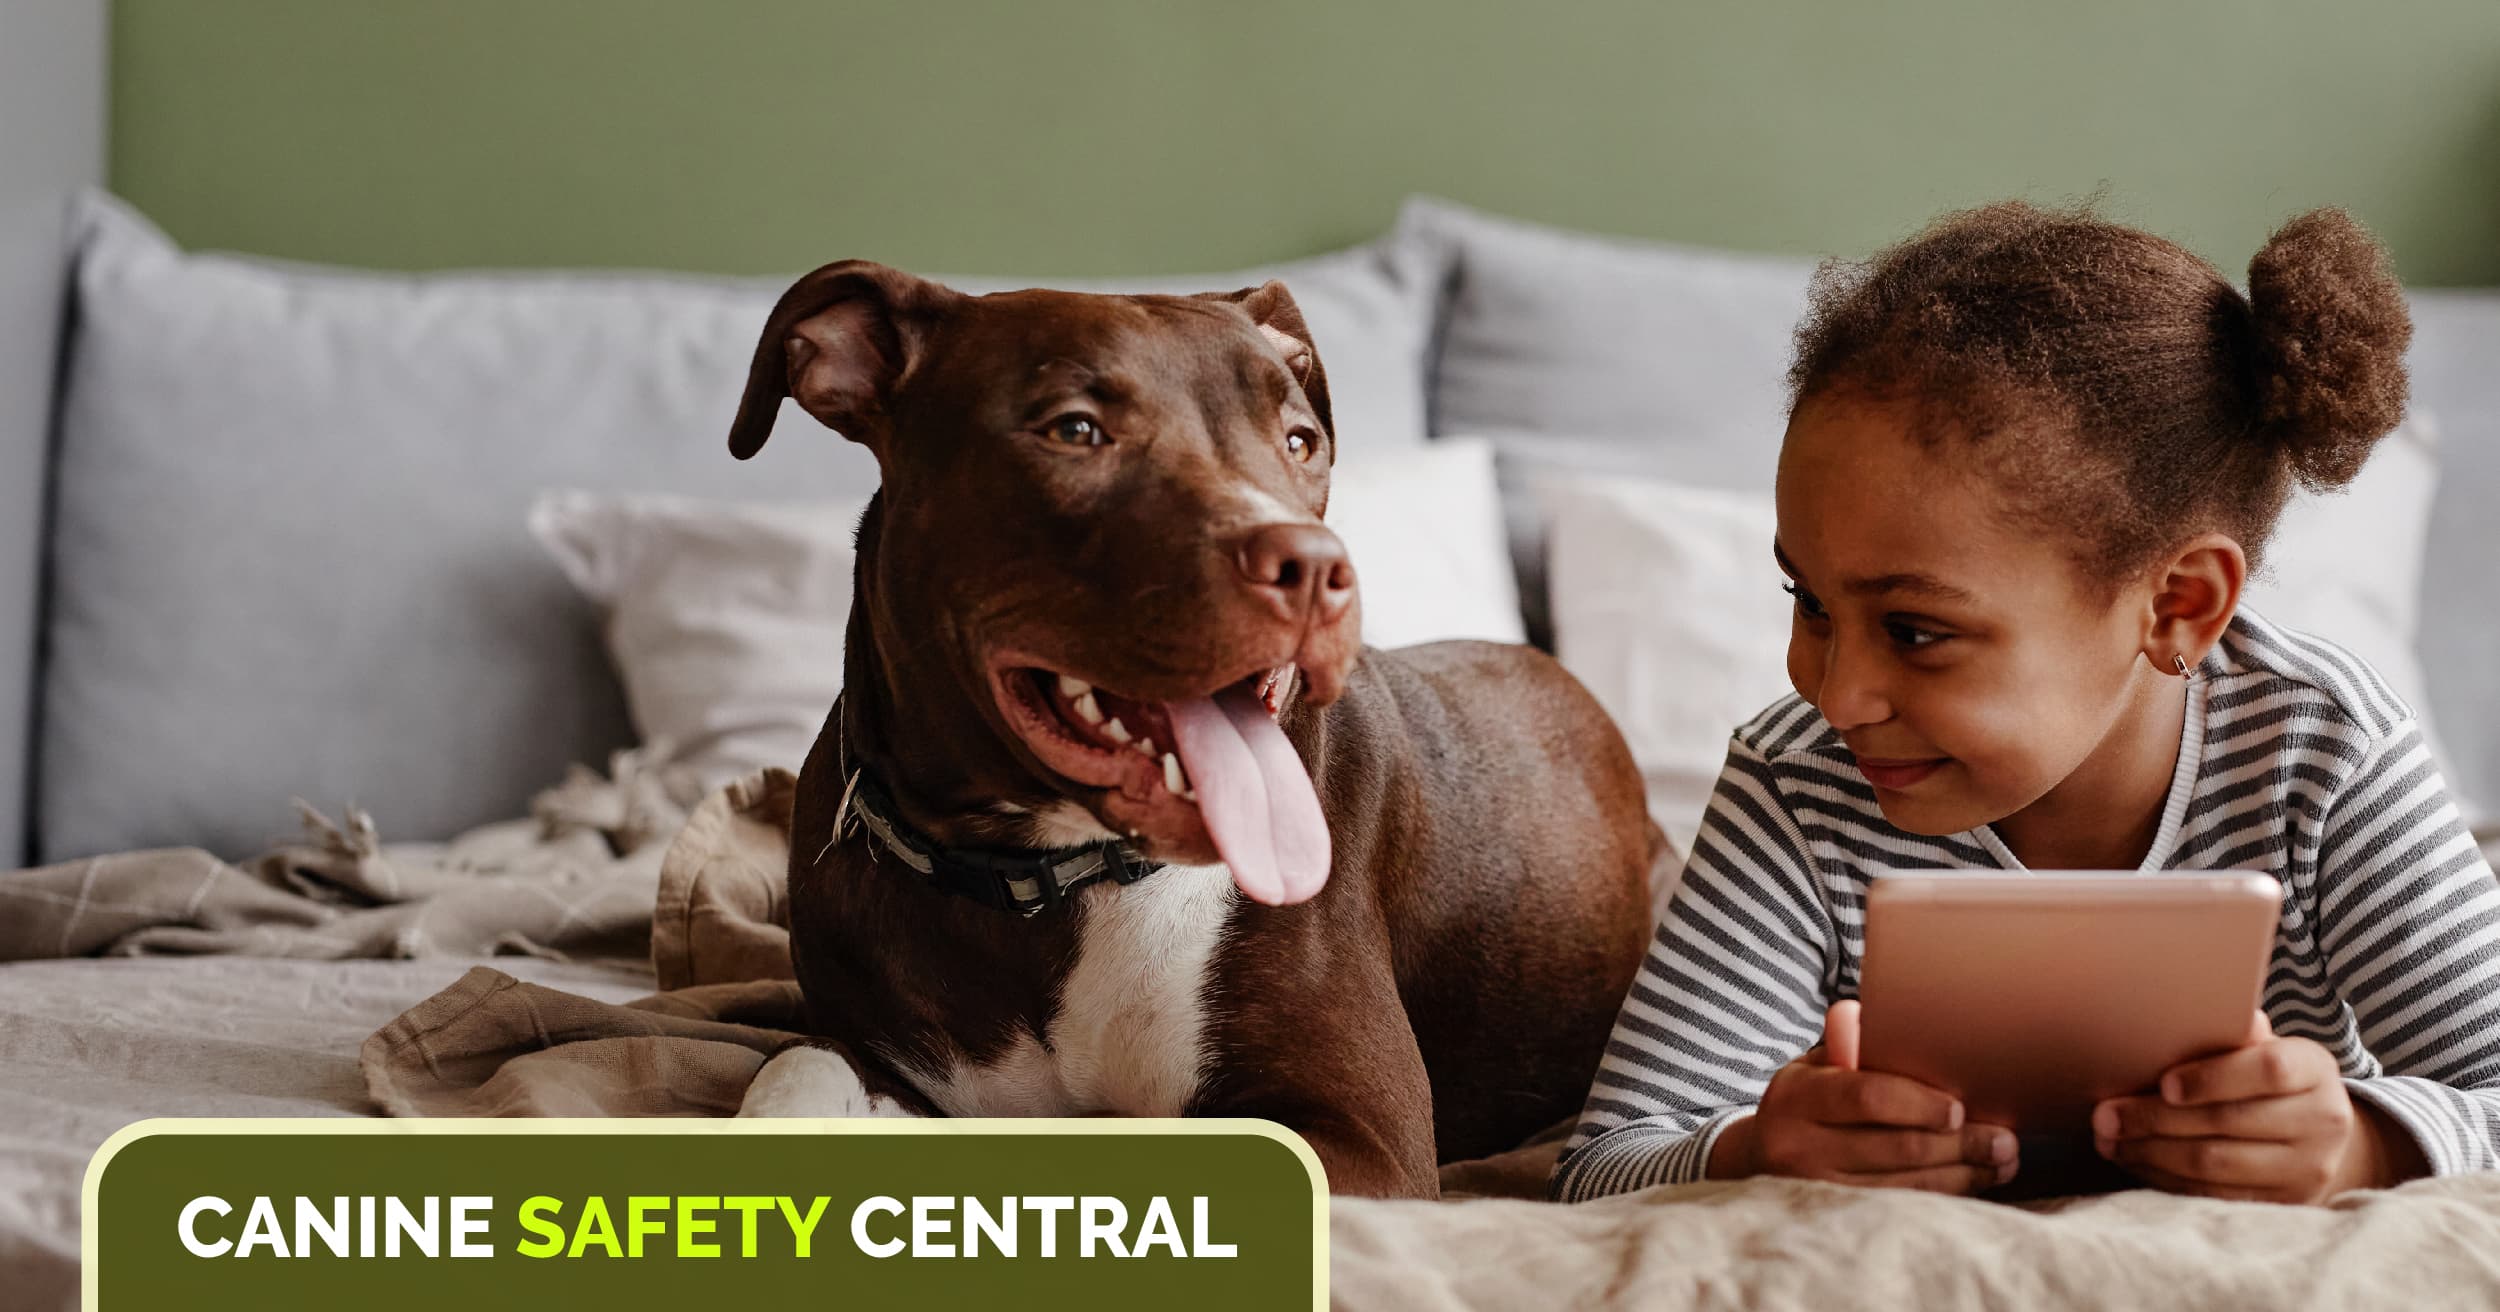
{"points": [[1129, 1038], [1063, 825]]}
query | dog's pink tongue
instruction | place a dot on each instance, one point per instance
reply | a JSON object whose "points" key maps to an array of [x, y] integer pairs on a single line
{"points": [[1254, 794]]}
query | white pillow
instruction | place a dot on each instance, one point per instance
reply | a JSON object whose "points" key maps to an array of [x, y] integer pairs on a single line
{"points": [[2348, 566], [1424, 528], [726, 619], [1667, 605], [1666, 602]]}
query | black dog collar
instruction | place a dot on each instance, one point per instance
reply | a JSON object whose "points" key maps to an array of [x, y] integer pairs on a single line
{"points": [[1026, 882]]}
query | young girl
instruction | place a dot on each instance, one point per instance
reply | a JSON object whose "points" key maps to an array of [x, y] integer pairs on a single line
{"points": [[2031, 460]]}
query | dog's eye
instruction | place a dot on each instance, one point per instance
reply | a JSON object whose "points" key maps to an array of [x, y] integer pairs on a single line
{"points": [[1302, 444], [1075, 430]]}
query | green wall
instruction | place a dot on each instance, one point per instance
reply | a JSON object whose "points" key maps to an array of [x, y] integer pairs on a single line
{"points": [[1006, 137]]}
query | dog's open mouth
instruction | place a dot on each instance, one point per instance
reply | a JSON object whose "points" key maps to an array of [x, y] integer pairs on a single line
{"points": [[1183, 776]]}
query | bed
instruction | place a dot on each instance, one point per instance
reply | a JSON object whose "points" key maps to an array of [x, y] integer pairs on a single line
{"points": [[454, 559], [462, 1034]]}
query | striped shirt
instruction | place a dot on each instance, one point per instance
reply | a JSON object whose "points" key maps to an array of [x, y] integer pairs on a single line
{"points": [[2295, 760]]}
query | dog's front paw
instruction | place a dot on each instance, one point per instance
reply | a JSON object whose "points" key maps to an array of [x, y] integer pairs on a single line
{"points": [[805, 1081]]}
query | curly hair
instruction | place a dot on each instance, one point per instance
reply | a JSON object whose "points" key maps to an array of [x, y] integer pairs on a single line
{"points": [[2113, 383]]}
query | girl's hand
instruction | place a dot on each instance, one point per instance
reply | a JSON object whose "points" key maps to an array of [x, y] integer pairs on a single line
{"points": [[2269, 1121], [1822, 1118]]}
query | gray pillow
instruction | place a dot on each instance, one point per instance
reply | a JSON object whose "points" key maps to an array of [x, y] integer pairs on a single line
{"points": [[1584, 353], [290, 559]]}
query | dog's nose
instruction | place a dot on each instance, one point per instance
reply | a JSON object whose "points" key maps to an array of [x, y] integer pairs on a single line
{"points": [[1300, 569]]}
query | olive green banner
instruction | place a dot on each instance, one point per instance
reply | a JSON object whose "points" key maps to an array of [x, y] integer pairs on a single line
{"points": [[452, 1216]]}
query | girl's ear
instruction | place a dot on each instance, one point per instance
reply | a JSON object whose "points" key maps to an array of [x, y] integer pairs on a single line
{"points": [[2195, 594]]}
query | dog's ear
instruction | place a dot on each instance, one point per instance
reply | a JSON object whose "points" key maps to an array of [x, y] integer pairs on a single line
{"points": [[1271, 307], [838, 341]]}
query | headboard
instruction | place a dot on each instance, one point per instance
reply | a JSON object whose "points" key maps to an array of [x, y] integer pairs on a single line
{"points": [[51, 143]]}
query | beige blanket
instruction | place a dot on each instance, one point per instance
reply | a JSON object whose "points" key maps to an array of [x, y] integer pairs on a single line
{"points": [[492, 1045], [575, 879]]}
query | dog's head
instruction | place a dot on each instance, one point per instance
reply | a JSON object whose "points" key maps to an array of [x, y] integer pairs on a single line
{"points": [[1100, 521]]}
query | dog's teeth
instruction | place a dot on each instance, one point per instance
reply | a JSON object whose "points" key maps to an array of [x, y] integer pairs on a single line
{"points": [[1172, 776], [1073, 688], [1145, 747], [1112, 728], [1086, 710]]}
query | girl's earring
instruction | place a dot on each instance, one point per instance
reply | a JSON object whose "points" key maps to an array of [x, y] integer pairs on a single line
{"points": [[2179, 663]]}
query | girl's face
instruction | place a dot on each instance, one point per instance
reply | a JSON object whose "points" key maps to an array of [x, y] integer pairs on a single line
{"points": [[1970, 666]]}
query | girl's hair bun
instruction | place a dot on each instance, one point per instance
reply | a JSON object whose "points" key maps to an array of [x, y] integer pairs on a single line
{"points": [[2330, 329]]}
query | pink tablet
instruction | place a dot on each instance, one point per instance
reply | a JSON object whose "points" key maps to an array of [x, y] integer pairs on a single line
{"points": [[2034, 996]]}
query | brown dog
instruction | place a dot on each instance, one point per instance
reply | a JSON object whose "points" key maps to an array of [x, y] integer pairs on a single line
{"points": [[1099, 626]]}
